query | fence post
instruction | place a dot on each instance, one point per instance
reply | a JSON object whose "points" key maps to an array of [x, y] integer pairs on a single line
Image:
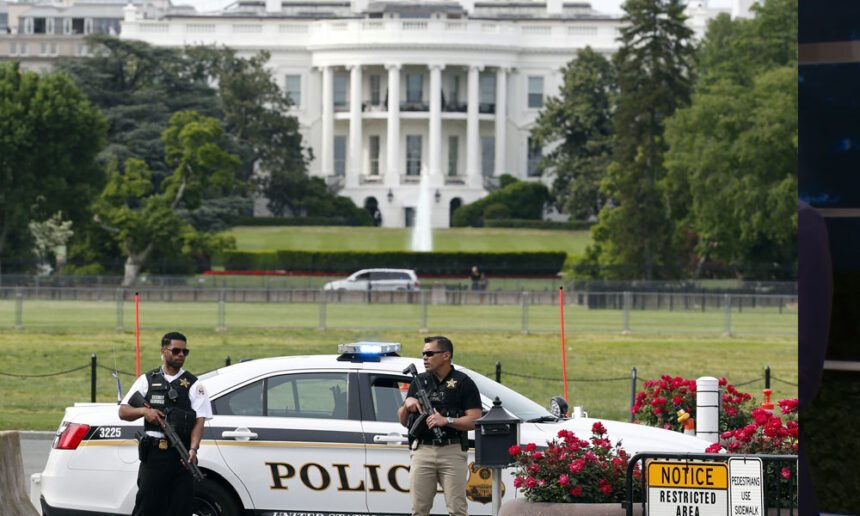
{"points": [[120, 297], [767, 377], [727, 318], [93, 366], [222, 324], [498, 372], [19, 309], [524, 296], [322, 325], [423, 328], [632, 393], [625, 301]]}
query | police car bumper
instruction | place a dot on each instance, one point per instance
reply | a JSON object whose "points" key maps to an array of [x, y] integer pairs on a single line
{"points": [[48, 510]]}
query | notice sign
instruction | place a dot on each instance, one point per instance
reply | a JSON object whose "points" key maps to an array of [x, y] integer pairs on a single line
{"points": [[745, 487], [687, 488]]}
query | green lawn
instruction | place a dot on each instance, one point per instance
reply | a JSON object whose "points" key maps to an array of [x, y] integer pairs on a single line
{"points": [[599, 364], [320, 238]]}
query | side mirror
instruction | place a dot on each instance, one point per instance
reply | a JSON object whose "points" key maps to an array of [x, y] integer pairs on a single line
{"points": [[558, 406]]}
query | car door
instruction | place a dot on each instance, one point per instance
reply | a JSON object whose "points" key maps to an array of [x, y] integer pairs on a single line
{"points": [[387, 453], [296, 441], [360, 281]]}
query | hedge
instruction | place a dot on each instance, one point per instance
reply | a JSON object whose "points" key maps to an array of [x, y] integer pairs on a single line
{"points": [[300, 221], [423, 263], [574, 225]]}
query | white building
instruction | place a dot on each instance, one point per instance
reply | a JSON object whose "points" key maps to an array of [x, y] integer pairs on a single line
{"points": [[386, 91]]}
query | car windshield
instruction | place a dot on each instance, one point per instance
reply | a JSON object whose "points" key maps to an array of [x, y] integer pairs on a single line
{"points": [[512, 401]]}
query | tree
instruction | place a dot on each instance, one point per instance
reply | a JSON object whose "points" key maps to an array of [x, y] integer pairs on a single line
{"points": [[49, 138], [520, 199], [143, 218], [633, 237], [732, 153], [578, 122], [50, 238]]}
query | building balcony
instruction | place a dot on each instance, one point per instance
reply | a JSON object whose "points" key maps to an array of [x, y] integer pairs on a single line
{"points": [[414, 106]]}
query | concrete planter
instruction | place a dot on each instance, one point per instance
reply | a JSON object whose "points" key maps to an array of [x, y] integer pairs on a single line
{"points": [[523, 507]]}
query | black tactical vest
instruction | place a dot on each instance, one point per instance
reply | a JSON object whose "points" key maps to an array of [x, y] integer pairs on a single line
{"points": [[446, 397], [173, 399]]}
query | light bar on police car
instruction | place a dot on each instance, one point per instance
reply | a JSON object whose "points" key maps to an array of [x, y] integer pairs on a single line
{"points": [[369, 348]]}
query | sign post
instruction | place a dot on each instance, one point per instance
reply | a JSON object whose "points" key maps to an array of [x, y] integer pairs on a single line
{"points": [[745, 486], [687, 488]]}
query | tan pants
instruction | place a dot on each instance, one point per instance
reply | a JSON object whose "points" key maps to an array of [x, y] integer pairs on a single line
{"points": [[434, 465]]}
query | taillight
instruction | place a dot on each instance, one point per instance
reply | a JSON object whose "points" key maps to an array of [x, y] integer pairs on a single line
{"points": [[70, 435], [417, 285]]}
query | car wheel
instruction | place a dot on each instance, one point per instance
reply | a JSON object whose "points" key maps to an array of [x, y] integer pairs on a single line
{"points": [[214, 500]]}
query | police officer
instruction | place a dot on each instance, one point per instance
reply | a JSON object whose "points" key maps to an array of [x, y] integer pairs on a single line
{"points": [[165, 485], [456, 405]]}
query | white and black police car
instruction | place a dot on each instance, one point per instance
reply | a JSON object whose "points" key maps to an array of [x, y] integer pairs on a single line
{"points": [[298, 435]]}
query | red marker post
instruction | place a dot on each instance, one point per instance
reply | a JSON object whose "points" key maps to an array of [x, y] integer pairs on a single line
{"points": [[563, 351], [136, 335]]}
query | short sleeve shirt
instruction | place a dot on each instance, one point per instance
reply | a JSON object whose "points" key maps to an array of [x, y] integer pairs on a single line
{"points": [[452, 396], [196, 393]]}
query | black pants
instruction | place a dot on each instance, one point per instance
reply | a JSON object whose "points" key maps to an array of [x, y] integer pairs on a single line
{"points": [[164, 485]]}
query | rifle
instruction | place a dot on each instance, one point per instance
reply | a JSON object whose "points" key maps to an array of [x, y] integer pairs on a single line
{"points": [[137, 400], [426, 407]]}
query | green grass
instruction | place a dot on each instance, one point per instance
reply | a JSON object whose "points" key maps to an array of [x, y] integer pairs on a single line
{"points": [[319, 238], [530, 364]]}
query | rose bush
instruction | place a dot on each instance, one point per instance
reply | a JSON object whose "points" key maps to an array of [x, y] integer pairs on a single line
{"points": [[659, 401], [572, 470]]}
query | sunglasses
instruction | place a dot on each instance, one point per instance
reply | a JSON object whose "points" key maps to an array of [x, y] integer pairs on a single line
{"points": [[177, 351], [431, 353]]}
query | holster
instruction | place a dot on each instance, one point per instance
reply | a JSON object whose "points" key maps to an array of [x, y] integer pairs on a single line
{"points": [[143, 447]]}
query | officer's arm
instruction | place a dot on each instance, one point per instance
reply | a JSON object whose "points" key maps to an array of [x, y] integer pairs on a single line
{"points": [[151, 415], [196, 437], [466, 422], [410, 404]]}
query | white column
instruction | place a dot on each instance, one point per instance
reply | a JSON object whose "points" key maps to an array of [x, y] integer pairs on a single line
{"points": [[501, 120], [353, 171], [473, 134], [327, 143], [392, 144], [435, 137]]}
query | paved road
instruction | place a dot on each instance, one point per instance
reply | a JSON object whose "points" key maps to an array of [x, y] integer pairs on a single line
{"points": [[35, 447]]}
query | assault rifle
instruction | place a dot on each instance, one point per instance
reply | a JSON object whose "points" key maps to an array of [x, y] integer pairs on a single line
{"points": [[137, 400], [426, 408]]}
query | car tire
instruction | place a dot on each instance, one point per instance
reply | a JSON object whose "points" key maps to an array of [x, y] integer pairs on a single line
{"points": [[212, 499]]}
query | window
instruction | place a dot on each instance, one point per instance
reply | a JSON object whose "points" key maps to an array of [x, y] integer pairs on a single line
{"points": [[488, 155], [387, 397], [340, 155], [409, 217], [374, 155], [535, 92], [53, 49], [414, 87], [413, 154], [39, 26], [49, 26], [375, 91], [293, 87], [13, 48], [43, 49], [454, 91], [453, 155], [308, 395], [340, 91], [487, 92], [534, 158], [24, 49], [77, 25]]}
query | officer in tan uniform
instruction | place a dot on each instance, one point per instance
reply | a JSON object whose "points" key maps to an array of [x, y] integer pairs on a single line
{"points": [[456, 405]]}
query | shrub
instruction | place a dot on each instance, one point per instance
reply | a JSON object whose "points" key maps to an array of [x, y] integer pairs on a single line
{"points": [[571, 470], [659, 401], [496, 210]]}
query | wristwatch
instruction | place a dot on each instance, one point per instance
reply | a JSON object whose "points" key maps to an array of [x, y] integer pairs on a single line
{"points": [[450, 420]]}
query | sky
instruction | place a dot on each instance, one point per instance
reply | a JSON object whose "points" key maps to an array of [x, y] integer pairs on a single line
{"points": [[606, 6]]}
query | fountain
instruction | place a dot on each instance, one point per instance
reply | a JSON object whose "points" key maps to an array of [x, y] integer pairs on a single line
{"points": [[422, 231]]}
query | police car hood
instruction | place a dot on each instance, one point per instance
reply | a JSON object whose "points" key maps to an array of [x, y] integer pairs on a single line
{"points": [[634, 438]]}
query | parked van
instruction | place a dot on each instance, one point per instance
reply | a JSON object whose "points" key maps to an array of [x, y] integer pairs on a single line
{"points": [[377, 279]]}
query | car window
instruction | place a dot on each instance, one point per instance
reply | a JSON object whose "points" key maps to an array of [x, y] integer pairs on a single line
{"points": [[363, 276], [247, 401], [311, 395], [388, 394]]}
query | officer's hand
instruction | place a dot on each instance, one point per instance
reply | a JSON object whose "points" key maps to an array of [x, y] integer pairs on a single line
{"points": [[153, 416], [412, 405], [436, 419], [192, 455]]}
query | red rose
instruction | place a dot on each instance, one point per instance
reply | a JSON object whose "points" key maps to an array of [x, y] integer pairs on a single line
{"points": [[518, 482], [531, 447], [563, 480], [576, 491], [531, 482], [514, 450]]}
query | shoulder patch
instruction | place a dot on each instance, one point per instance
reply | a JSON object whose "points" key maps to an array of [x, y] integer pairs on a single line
{"points": [[201, 390]]}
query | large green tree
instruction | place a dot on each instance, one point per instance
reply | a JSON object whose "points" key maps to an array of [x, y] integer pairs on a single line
{"points": [[142, 216], [49, 138], [577, 125], [732, 153], [633, 237]]}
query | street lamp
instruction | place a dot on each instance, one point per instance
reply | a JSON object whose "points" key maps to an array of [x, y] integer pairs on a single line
{"points": [[390, 195], [438, 196]]}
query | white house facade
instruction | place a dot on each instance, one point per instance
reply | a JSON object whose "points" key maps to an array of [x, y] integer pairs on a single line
{"points": [[388, 91]]}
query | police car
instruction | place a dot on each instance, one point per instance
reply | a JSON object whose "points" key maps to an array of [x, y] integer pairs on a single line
{"points": [[298, 435]]}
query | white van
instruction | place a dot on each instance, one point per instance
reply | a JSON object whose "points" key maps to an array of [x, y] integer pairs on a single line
{"points": [[378, 280]]}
